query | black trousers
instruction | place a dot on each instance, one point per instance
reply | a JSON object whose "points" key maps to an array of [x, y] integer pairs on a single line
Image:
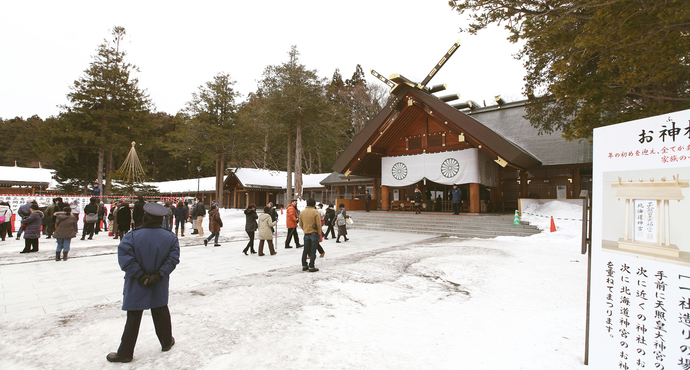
{"points": [[89, 229], [329, 230], [456, 208], [292, 232], [161, 321], [251, 241], [367, 205], [4, 230], [30, 245]]}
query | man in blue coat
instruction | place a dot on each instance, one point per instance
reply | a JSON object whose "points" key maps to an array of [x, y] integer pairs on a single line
{"points": [[147, 255], [457, 193]]}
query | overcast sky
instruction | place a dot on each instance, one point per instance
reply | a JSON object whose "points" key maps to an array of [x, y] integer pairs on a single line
{"points": [[47, 45]]}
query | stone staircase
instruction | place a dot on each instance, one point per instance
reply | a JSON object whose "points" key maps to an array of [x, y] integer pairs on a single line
{"points": [[443, 224]]}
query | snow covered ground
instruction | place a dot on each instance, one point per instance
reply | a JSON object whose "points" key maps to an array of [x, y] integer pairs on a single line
{"points": [[381, 301]]}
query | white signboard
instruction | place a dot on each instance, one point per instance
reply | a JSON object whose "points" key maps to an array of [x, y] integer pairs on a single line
{"points": [[640, 271]]}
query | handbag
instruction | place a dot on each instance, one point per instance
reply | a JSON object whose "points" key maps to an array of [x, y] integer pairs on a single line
{"points": [[2, 219], [349, 221], [91, 218]]}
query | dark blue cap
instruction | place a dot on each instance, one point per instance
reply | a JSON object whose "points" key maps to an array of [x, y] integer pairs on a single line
{"points": [[155, 209]]}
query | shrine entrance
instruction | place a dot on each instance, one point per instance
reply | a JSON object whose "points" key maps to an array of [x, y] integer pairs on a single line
{"points": [[439, 198]]}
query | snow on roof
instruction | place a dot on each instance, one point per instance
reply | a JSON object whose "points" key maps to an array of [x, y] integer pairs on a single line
{"points": [[204, 184], [27, 176], [255, 177]]}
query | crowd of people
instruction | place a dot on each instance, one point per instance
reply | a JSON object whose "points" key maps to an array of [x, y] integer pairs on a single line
{"points": [[149, 226]]}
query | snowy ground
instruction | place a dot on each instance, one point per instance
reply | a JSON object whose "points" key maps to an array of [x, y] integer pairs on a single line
{"points": [[380, 301]]}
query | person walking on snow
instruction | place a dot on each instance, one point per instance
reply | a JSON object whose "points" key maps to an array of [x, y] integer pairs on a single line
{"points": [[310, 222], [340, 221], [32, 229], [214, 225], [250, 226], [329, 219], [291, 223], [147, 255], [180, 216], [64, 232], [266, 223], [24, 211]]}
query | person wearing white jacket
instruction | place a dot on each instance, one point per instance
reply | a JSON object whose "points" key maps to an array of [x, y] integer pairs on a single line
{"points": [[6, 213], [265, 233]]}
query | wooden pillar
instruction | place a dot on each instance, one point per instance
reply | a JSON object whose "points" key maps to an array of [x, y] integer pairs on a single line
{"points": [[246, 197], [474, 198], [577, 182], [267, 199], [524, 186], [385, 203], [374, 195]]}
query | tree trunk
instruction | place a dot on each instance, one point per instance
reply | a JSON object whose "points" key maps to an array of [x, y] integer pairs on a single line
{"points": [[265, 150], [101, 154], [298, 155], [318, 159], [108, 172], [288, 193], [220, 172]]}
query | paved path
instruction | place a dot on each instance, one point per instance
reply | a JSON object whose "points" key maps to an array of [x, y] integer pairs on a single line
{"points": [[44, 287]]}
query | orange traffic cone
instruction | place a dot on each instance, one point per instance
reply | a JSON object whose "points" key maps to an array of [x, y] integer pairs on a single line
{"points": [[553, 225], [281, 210]]}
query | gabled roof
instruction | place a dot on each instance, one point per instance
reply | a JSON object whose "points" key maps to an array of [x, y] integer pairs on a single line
{"points": [[256, 178], [203, 184], [509, 122], [410, 104], [25, 176], [337, 179]]}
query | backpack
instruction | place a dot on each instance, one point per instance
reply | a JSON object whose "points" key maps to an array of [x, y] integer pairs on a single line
{"points": [[340, 220]]}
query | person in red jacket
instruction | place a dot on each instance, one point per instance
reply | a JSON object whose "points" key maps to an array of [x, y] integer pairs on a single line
{"points": [[292, 215]]}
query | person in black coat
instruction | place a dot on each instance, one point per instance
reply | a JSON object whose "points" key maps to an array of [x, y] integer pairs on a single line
{"points": [[250, 226], [138, 212], [90, 211], [417, 201], [181, 215], [124, 219], [330, 217]]}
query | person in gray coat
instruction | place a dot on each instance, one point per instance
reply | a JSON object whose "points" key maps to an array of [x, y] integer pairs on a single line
{"points": [[32, 229], [147, 255], [342, 229], [65, 230]]}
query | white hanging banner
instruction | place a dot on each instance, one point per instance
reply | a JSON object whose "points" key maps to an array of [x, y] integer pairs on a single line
{"points": [[402, 171], [450, 168], [488, 170], [446, 168]]}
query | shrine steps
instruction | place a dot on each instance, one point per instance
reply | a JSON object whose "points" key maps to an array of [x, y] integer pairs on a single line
{"points": [[443, 224]]}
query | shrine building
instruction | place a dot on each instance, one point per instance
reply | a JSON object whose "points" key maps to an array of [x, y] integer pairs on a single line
{"points": [[491, 152]]}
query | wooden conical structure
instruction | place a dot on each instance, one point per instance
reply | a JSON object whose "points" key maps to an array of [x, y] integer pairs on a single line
{"points": [[131, 169]]}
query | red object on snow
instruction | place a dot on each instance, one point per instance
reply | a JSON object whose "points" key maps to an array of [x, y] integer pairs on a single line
{"points": [[281, 210], [553, 225]]}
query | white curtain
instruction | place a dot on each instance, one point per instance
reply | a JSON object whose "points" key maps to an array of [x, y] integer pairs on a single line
{"points": [[488, 170], [446, 168], [402, 171]]}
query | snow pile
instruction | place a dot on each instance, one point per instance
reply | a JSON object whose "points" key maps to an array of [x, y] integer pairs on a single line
{"points": [[567, 216]]}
